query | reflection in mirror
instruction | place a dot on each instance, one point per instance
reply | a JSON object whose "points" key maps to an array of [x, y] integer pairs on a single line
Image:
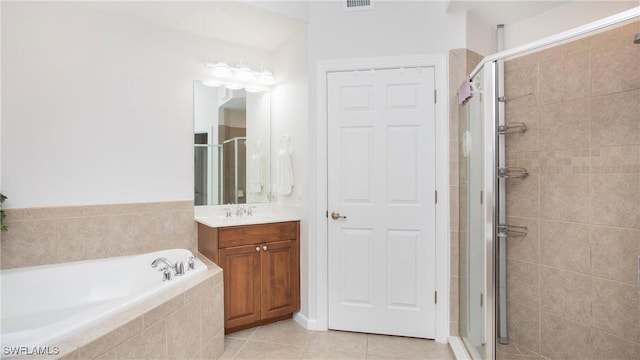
{"points": [[232, 146]]}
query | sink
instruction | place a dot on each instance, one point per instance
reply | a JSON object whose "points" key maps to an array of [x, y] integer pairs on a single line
{"points": [[222, 221]]}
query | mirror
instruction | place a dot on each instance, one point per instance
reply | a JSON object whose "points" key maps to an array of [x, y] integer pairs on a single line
{"points": [[231, 145]]}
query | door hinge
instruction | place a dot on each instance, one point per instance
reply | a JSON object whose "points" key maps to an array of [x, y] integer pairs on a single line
{"points": [[436, 196], [435, 297], [481, 196], [481, 299], [327, 214], [435, 96]]}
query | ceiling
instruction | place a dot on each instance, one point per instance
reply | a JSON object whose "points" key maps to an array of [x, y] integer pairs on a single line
{"points": [[503, 11], [231, 21], [251, 25]]}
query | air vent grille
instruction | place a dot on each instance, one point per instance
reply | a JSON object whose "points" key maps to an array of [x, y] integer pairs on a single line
{"points": [[358, 4]]}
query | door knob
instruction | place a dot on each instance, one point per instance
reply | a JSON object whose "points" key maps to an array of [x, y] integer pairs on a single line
{"points": [[264, 247], [336, 215]]}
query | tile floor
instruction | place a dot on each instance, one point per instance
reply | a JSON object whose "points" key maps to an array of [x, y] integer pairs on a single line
{"points": [[288, 340]]}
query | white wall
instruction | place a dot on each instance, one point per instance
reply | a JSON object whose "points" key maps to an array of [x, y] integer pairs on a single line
{"points": [[480, 35], [98, 109], [290, 115], [561, 18], [258, 130], [390, 28]]}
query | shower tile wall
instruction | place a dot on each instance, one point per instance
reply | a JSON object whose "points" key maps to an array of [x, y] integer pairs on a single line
{"points": [[572, 281], [461, 63]]}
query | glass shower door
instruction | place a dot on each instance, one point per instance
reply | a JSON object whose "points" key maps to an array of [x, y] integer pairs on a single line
{"points": [[477, 160]]}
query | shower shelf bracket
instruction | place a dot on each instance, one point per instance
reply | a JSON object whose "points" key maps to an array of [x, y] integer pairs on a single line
{"points": [[512, 172], [506, 230], [511, 128]]}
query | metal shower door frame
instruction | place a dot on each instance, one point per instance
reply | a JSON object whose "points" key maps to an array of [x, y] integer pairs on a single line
{"points": [[491, 201]]}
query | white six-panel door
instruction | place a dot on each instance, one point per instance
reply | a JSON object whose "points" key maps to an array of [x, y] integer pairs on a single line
{"points": [[382, 185]]}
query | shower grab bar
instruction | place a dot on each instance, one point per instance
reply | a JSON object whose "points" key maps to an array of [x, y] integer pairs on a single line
{"points": [[512, 172], [511, 128], [506, 230], [504, 98]]}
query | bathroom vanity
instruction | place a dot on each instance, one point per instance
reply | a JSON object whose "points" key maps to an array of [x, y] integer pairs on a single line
{"points": [[261, 268]]}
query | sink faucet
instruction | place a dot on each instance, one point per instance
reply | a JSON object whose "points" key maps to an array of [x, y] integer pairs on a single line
{"points": [[241, 210], [178, 267]]}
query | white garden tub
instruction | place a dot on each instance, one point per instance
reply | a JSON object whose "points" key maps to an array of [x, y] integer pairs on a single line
{"points": [[42, 305]]}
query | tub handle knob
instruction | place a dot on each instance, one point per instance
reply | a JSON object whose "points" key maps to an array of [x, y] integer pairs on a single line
{"points": [[192, 262], [166, 274], [179, 268]]}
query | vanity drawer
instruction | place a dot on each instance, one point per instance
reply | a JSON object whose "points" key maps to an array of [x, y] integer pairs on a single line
{"points": [[257, 234]]}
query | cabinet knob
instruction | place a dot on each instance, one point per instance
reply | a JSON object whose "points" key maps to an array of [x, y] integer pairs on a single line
{"points": [[264, 247], [257, 248]]}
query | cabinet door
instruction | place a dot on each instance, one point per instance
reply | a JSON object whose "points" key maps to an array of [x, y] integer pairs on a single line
{"points": [[241, 271], [280, 278]]}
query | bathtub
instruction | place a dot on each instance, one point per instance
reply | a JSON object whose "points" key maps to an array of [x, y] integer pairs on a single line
{"points": [[43, 305]]}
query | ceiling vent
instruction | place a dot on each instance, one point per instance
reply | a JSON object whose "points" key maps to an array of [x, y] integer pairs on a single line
{"points": [[350, 5]]}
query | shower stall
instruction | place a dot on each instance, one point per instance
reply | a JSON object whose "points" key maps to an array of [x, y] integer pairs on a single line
{"points": [[549, 197]]}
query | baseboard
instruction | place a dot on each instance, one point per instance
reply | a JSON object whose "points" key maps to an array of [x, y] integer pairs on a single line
{"points": [[458, 348], [309, 324]]}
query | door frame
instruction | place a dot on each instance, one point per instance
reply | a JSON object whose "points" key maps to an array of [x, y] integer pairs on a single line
{"points": [[318, 255]]}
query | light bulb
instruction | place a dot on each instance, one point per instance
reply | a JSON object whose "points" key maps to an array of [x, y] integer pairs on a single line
{"points": [[244, 74], [222, 71], [266, 78]]}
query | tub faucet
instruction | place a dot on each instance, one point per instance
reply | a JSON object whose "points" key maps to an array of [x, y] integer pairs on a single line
{"points": [[162, 260], [178, 266]]}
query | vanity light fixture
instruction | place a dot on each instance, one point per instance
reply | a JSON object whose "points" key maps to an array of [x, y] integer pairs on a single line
{"points": [[239, 77]]}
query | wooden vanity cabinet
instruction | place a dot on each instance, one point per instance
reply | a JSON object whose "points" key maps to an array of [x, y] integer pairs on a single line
{"points": [[261, 269]]}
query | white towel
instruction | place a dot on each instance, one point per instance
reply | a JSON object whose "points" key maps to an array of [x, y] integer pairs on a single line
{"points": [[284, 174], [255, 181]]}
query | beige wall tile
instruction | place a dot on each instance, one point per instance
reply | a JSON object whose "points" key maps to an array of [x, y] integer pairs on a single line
{"points": [[109, 355], [564, 197], [615, 68], [82, 238], [615, 308], [132, 233], [564, 339], [565, 245], [523, 197], [523, 324], [455, 253], [616, 160], [148, 344], [525, 248], [614, 253], [527, 141], [183, 331], [454, 299], [473, 59], [29, 243], [454, 210], [454, 147], [212, 311], [519, 83], [615, 119], [615, 200], [565, 125], [606, 346], [175, 229], [566, 294], [523, 282], [564, 78], [214, 348], [166, 307]]}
